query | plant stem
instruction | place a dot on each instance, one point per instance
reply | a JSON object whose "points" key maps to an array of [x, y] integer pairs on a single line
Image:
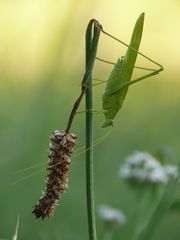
{"points": [[92, 37], [89, 165], [91, 47], [108, 232]]}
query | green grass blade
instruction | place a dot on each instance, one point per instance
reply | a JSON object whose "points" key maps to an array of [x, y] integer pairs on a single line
{"points": [[15, 236], [92, 37]]}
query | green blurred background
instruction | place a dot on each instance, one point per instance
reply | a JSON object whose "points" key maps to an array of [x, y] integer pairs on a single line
{"points": [[41, 66]]}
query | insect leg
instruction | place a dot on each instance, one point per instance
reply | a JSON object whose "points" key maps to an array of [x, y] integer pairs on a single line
{"points": [[122, 85]]}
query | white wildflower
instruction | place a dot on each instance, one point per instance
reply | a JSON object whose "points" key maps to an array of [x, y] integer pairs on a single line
{"points": [[171, 171], [141, 167], [111, 215], [157, 175]]}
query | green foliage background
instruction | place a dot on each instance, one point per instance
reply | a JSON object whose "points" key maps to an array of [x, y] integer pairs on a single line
{"points": [[41, 66]]}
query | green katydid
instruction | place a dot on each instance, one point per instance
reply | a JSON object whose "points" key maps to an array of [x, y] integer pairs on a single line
{"points": [[118, 81], [120, 77], [123, 68]]}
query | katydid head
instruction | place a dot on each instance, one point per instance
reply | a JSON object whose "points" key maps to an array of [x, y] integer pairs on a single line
{"points": [[108, 123]]}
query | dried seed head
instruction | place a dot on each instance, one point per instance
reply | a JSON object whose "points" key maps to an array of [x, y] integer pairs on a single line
{"points": [[61, 148]]}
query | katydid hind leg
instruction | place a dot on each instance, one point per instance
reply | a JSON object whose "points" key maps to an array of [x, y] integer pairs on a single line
{"points": [[123, 85]]}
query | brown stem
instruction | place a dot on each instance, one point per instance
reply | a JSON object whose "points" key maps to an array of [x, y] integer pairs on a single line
{"points": [[75, 107]]}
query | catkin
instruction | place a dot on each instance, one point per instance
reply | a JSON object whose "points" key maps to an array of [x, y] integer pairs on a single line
{"points": [[60, 151]]}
